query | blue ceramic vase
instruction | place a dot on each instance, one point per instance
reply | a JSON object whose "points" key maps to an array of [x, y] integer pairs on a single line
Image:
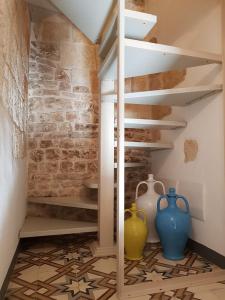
{"points": [[173, 225]]}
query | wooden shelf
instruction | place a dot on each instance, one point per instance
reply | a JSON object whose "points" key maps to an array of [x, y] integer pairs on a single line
{"points": [[149, 146], [78, 202], [36, 226], [137, 26], [148, 124], [172, 97], [142, 58]]}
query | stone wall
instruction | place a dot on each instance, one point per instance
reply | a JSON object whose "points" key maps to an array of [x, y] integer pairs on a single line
{"points": [[63, 109], [63, 114], [14, 47]]}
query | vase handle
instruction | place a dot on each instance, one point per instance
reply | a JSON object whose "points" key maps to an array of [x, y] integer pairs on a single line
{"points": [[158, 202], [127, 210], [186, 203], [163, 187], [140, 183], [145, 216]]}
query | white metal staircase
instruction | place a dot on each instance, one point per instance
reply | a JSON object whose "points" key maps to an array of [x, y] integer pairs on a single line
{"points": [[125, 54], [123, 58]]}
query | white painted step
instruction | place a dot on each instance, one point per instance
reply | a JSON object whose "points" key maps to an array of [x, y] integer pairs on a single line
{"points": [[92, 183], [36, 226], [137, 26], [78, 202], [149, 146], [172, 97], [148, 124], [132, 165], [142, 58]]}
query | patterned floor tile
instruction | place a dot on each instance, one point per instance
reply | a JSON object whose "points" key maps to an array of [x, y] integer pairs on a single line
{"points": [[63, 268]]}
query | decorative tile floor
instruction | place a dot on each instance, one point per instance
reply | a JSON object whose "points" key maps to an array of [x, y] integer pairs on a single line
{"points": [[64, 269]]}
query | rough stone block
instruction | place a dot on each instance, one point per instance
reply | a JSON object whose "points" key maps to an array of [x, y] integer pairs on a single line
{"points": [[46, 144], [52, 154], [36, 155], [53, 31], [77, 56]]}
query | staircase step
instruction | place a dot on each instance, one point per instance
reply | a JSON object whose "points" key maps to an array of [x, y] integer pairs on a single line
{"points": [[143, 58], [150, 146], [132, 165], [88, 16], [78, 202], [93, 183], [37, 226], [137, 26], [148, 124], [171, 97]]}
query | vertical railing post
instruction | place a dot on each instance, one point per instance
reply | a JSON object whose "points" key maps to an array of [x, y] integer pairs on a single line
{"points": [[106, 171], [105, 245], [120, 146]]}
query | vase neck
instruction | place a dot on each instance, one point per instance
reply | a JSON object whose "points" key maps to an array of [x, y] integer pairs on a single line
{"points": [[151, 186], [172, 202], [172, 197]]}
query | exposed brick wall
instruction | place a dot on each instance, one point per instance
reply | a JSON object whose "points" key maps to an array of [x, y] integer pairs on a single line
{"points": [[63, 109], [138, 5], [63, 115]]}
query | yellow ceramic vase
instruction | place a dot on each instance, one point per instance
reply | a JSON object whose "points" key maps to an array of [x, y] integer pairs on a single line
{"points": [[135, 234]]}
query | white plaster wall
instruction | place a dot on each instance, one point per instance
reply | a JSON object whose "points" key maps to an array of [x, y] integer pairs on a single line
{"points": [[196, 25], [12, 195]]}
